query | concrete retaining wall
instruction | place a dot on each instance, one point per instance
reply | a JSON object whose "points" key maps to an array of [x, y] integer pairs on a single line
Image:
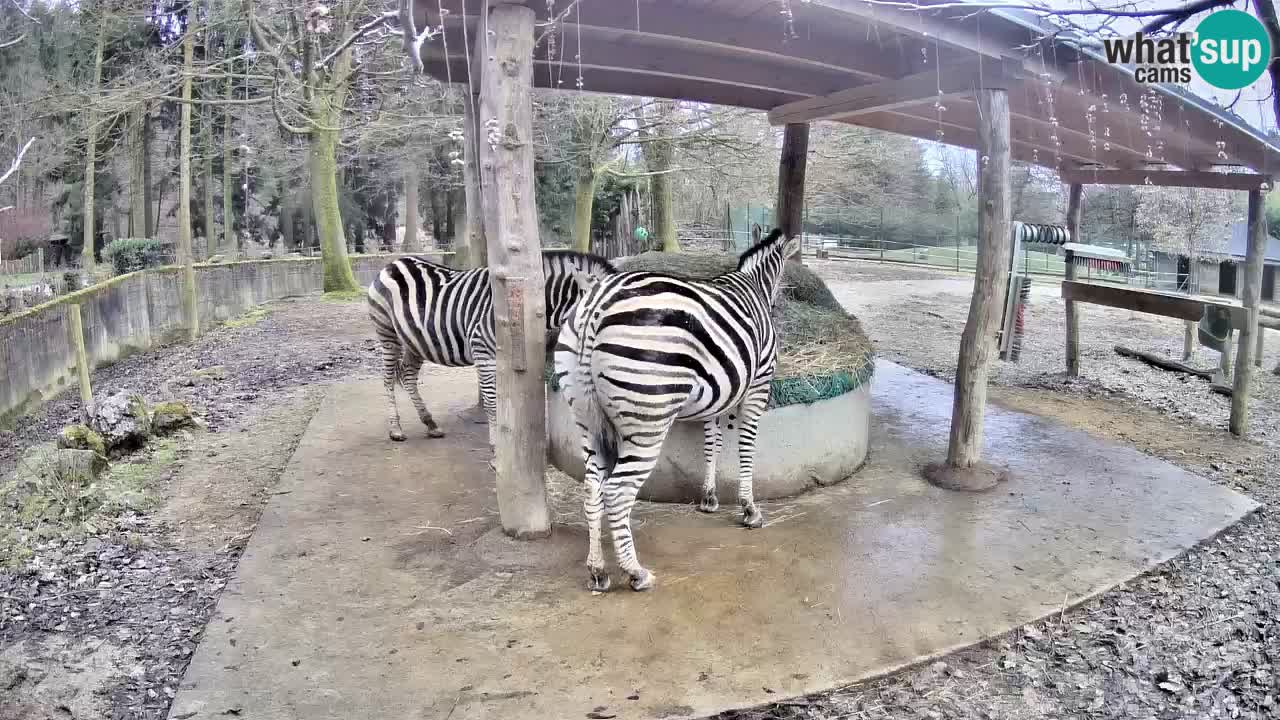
{"points": [[798, 447], [136, 311]]}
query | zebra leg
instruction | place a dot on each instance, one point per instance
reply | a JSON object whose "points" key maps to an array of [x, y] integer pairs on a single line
{"points": [[409, 378], [593, 509], [635, 463], [711, 443], [390, 370], [750, 412], [487, 375]]}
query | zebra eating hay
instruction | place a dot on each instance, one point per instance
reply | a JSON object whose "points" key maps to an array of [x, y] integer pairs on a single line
{"points": [[426, 312], [643, 350]]}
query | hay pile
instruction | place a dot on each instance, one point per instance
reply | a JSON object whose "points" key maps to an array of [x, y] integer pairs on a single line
{"points": [[824, 351]]}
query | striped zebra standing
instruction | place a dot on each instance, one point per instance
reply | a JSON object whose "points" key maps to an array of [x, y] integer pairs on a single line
{"points": [[644, 350], [426, 312]]}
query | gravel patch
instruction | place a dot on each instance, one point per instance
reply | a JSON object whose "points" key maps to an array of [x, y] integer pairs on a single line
{"points": [[1199, 637]]}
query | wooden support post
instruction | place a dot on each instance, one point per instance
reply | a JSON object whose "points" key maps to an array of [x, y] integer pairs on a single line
{"points": [[515, 261], [1224, 358], [789, 209], [475, 248], [1257, 354], [75, 334], [962, 470], [1074, 208], [1188, 340], [1251, 297]]}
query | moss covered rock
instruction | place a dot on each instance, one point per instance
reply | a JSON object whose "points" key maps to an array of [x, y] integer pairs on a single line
{"points": [[167, 417], [124, 422], [81, 437]]}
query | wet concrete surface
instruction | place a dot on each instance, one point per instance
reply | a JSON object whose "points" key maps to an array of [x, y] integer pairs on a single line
{"points": [[378, 584]]}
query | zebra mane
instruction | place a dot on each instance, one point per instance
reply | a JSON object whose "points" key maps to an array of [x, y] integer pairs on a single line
{"points": [[770, 243], [585, 261]]}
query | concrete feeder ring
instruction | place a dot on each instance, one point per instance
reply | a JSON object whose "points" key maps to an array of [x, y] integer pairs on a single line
{"points": [[798, 447]]}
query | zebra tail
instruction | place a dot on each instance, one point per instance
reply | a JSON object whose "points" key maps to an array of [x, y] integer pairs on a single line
{"points": [[587, 405]]}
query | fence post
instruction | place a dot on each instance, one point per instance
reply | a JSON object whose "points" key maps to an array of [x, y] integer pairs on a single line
{"points": [[76, 336], [880, 234], [40, 261], [975, 262]]}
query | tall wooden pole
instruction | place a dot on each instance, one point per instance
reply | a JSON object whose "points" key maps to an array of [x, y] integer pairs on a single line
{"points": [[1074, 208], [476, 246], [411, 222], [962, 470], [1251, 296], [789, 208], [75, 333], [515, 261]]}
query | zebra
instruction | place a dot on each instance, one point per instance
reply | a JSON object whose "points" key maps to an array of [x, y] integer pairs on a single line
{"points": [[426, 312], [644, 350]]}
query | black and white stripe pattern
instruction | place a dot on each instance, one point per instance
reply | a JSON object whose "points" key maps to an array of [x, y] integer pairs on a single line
{"points": [[644, 350], [424, 312]]}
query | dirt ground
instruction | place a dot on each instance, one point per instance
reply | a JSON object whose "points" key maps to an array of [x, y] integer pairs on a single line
{"points": [[1197, 638], [103, 625]]}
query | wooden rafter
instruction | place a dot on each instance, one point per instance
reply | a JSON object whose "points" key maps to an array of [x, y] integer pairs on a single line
{"points": [[926, 86], [1165, 178]]}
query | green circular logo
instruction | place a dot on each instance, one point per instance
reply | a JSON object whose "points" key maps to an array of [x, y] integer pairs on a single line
{"points": [[1232, 49]]}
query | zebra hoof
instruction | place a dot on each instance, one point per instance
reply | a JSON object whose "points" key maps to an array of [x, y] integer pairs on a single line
{"points": [[709, 504], [598, 581], [752, 517], [644, 581], [435, 433], [396, 435]]}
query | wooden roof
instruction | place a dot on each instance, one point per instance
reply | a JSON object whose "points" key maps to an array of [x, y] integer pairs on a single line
{"points": [[1070, 108]]}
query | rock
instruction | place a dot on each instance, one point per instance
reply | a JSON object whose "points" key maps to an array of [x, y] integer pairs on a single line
{"points": [[169, 416], [123, 421], [81, 437]]}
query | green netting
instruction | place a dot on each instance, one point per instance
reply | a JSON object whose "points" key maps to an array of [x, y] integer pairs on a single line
{"points": [[824, 353]]}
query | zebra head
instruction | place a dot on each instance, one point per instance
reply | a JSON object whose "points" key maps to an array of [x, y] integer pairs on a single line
{"points": [[764, 261], [569, 276]]}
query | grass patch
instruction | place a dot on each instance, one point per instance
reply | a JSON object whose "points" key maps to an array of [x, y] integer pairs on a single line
{"points": [[344, 296], [40, 502], [252, 317]]}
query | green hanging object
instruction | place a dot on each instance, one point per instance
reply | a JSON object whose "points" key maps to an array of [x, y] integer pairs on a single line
{"points": [[640, 235]]}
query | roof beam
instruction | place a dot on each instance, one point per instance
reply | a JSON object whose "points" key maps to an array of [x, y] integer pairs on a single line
{"points": [[1165, 178], [900, 92]]}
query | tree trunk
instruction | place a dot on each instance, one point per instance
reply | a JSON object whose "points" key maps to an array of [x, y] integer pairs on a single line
{"points": [[184, 186], [228, 175], [475, 250], [658, 156], [149, 221], [583, 202], [991, 279], [87, 257], [212, 244], [411, 222], [137, 180], [286, 220], [324, 205], [517, 278], [437, 217], [450, 209]]}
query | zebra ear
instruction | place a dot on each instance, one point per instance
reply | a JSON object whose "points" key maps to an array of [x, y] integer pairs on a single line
{"points": [[755, 233], [792, 248]]}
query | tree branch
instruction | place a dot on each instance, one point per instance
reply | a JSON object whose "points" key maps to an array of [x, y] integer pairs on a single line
{"points": [[360, 32], [17, 162]]}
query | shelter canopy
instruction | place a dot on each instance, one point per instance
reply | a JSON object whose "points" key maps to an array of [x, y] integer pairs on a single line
{"points": [[911, 72]]}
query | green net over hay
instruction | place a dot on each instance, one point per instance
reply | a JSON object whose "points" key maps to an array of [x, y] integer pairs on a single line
{"points": [[824, 351]]}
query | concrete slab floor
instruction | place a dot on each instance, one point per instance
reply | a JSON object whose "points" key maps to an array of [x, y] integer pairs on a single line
{"points": [[378, 584]]}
